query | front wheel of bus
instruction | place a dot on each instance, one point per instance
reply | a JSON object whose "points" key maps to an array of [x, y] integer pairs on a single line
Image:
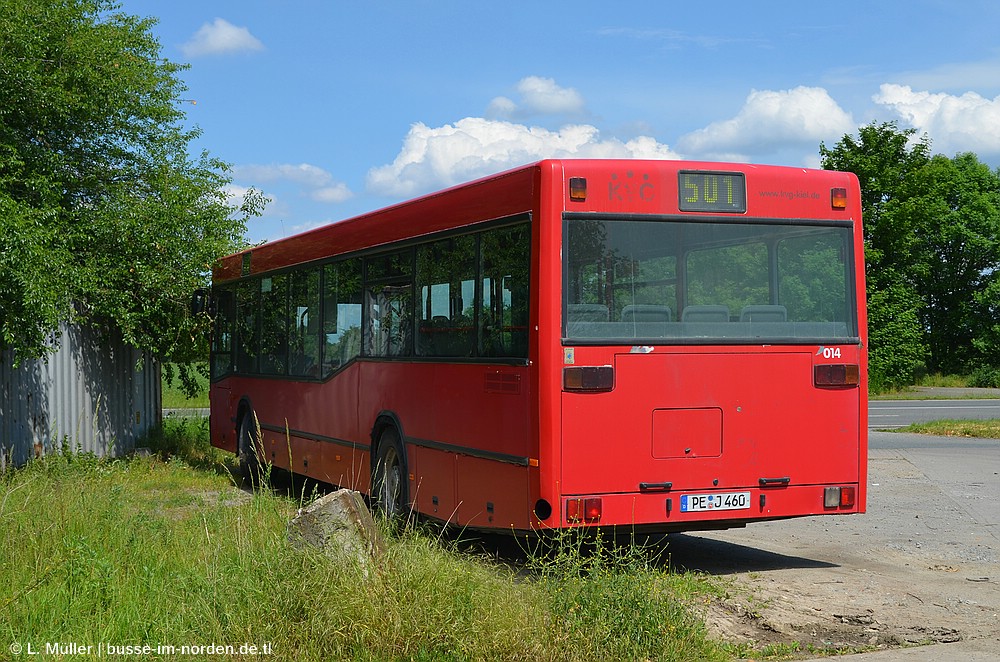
{"points": [[250, 450], [389, 477]]}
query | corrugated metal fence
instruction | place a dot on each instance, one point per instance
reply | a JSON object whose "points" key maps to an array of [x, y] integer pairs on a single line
{"points": [[94, 394]]}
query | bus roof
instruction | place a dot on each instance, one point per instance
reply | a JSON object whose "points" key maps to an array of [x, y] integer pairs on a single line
{"points": [[496, 196]]}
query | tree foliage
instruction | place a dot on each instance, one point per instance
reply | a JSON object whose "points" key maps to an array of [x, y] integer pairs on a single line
{"points": [[932, 242], [884, 159], [104, 215]]}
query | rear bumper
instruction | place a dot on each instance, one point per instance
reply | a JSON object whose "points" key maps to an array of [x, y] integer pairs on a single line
{"points": [[663, 511]]}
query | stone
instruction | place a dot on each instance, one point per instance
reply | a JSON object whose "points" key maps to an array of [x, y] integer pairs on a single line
{"points": [[341, 526]]}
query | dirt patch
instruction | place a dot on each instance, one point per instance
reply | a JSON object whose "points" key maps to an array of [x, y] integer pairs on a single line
{"points": [[920, 567]]}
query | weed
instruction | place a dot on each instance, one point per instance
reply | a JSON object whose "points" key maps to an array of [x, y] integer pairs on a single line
{"points": [[162, 551]]}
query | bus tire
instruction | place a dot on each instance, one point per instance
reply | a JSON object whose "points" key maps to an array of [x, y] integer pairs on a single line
{"points": [[250, 450], [389, 489]]}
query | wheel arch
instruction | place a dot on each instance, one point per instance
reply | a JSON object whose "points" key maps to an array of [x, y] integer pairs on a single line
{"points": [[243, 408], [385, 420]]}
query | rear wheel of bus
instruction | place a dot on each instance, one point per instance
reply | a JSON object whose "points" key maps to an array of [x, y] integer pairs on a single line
{"points": [[388, 478]]}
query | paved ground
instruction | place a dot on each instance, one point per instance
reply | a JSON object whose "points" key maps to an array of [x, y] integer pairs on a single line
{"points": [[922, 566]]}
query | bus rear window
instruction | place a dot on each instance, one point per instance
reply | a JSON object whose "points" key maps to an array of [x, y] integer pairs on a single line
{"points": [[670, 281]]}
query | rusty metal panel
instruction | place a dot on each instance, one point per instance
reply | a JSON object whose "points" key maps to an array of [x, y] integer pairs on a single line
{"points": [[94, 394]]}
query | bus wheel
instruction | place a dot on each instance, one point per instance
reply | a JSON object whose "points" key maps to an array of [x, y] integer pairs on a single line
{"points": [[389, 477], [250, 450]]}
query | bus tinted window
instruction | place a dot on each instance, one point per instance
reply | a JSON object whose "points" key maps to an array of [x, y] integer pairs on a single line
{"points": [[389, 303], [504, 312], [304, 323], [341, 313], [274, 325], [446, 287], [673, 281], [222, 331], [812, 277], [247, 321]]}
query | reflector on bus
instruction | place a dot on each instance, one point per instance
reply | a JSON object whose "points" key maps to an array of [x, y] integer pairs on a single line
{"points": [[838, 497], [584, 510], [589, 378]]}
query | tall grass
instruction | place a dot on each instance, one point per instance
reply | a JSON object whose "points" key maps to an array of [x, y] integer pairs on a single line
{"points": [[154, 551]]}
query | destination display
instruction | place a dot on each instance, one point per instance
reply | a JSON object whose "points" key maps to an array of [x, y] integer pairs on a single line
{"points": [[724, 192]]}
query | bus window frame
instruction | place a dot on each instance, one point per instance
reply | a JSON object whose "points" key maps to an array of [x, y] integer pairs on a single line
{"points": [[850, 281]]}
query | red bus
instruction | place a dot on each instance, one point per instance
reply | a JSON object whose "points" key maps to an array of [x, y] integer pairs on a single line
{"points": [[664, 345]]}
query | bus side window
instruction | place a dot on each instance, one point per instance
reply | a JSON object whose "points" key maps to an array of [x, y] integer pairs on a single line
{"points": [[389, 304], [341, 313], [304, 324], [505, 259], [222, 331], [274, 325], [247, 322], [446, 277]]}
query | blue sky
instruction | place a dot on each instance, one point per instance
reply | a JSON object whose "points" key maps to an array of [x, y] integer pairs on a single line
{"points": [[335, 108]]}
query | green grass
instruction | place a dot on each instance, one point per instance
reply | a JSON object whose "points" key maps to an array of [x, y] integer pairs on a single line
{"points": [[945, 381], [174, 396], [988, 429], [936, 380], [160, 550]]}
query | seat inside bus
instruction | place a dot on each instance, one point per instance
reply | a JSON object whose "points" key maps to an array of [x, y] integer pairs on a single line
{"points": [[637, 313]]}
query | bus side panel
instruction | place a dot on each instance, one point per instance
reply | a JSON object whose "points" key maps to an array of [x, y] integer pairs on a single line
{"points": [[476, 407], [306, 427], [222, 417], [433, 488], [461, 409], [494, 494]]}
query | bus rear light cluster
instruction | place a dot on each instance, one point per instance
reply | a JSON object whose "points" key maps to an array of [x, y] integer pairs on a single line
{"points": [[836, 375], [838, 497], [589, 378], [586, 510]]}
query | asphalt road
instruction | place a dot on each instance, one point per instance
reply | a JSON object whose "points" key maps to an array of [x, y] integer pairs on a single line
{"points": [[888, 414], [921, 566]]}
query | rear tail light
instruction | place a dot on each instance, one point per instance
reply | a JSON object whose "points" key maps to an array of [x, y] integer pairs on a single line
{"points": [[589, 378], [836, 375], [839, 497], [584, 510]]}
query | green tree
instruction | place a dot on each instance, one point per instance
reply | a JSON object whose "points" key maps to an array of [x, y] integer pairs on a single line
{"points": [[885, 158], [953, 208], [104, 215]]}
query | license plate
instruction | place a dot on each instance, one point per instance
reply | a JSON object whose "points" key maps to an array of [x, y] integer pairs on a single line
{"points": [[691, 503]]}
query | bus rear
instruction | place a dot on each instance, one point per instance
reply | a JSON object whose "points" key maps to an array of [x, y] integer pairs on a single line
{"points": [[707, 367]]}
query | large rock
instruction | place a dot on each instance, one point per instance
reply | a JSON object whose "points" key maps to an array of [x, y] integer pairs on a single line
{"points": [[341, 525]]}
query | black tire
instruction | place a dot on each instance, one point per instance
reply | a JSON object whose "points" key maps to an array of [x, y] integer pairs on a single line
{"points": [[250, 450], [389, 485]]}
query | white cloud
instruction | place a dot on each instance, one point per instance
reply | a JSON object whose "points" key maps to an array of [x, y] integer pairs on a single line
{"points": [[303, 173], [339, 192], [311, 181], [539, 96], [770, 122], [968, 122], [220, 36], [474, 147]]}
